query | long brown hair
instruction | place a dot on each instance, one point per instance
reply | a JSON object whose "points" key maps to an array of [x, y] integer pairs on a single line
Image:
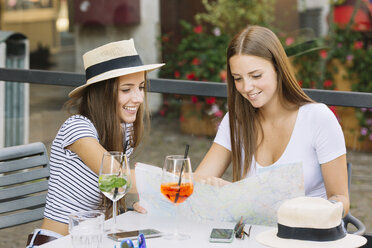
{"points": [[261, 42], [98, 103]]}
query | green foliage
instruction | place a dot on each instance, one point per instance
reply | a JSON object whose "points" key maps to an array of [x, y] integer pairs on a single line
{"points": [[316, 69], [232, 16], [199, 56]]}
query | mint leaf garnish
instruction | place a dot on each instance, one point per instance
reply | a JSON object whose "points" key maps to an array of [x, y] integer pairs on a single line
{"points": [[107, 183]]}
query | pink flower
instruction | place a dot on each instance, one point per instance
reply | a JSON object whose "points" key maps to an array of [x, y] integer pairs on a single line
{"points": [[349, 57], [218, 113], [364, 131], [177, 74], [289, 41], [339, 45], [195, 61], [323, 53], [370, 137], [216, 31], [358, 44], [198, 29], [194, 99], [210, 100]]}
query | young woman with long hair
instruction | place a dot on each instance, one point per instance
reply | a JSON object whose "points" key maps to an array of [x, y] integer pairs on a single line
{"points": [[271, 121], [109, 115]]}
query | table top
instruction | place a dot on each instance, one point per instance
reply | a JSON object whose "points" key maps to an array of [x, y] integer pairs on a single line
{"points": [[199, 232]]}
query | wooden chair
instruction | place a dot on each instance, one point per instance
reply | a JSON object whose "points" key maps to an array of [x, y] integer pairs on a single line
{"points": [[349, 218], [24, 174]]}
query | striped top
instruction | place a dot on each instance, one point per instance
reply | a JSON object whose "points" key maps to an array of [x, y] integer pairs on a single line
{"points": [[73, 186]]}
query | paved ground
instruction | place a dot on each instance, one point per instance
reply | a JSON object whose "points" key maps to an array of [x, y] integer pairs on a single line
{"points": [[46, 117]]}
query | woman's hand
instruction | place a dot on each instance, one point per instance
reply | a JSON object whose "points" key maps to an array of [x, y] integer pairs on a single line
{"points": [[138, 208]]}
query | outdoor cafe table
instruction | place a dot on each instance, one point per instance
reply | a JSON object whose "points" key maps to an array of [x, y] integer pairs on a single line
{"points": [[199, 232]]}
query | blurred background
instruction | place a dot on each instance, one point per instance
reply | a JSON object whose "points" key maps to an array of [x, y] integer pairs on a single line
{"points": [[329, 44]]}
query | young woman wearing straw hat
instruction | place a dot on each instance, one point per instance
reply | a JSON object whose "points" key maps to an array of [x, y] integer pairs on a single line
{"points": [[271, 121], [109, 112]]}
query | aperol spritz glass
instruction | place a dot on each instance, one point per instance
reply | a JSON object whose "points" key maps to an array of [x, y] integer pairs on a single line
{"points": [[176, 185]]}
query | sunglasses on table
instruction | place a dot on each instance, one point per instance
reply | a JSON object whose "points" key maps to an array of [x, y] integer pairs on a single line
{"points": [[239, 229], [128, 243]]}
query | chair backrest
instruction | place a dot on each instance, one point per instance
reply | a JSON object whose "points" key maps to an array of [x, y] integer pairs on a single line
{"points": [[349, 218], [24, 174]]}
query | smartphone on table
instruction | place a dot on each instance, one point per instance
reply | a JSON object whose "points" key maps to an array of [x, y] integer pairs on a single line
{"points": [[148, 233], [221, 235]]}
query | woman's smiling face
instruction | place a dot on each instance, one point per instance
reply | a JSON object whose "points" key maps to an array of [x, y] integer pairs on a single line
{"points": [[255, 79], [130, 96]]}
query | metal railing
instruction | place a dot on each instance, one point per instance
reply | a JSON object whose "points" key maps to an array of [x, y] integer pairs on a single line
{"points": [[182, 87]]}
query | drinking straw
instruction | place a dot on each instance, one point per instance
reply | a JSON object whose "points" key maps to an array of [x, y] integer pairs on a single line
{"points": [[179, 180], [121, 161]]}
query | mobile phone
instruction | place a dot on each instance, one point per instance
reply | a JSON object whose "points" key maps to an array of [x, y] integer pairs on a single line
{"points": [[148, 233], [221, 235]]}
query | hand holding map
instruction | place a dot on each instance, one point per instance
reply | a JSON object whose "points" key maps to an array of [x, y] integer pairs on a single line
{"points": [[256, 198]]}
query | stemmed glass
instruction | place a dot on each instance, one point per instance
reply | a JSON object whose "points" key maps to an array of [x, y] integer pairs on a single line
{"points": [[114, 180], [176, 186]]}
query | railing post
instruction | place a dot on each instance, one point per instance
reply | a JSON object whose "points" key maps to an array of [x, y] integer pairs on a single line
{"points": [[14, 98]]}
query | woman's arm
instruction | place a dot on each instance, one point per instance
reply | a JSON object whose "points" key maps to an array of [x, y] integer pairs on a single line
{"points": [[336, 181], [91, 152], [215, 162]]}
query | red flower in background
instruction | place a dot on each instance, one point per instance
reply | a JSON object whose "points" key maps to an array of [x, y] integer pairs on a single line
{"points": [[323, 53], [358, 44], [177, 74], [191, 76], [162, 112], [223, 75], [182, 118], [300, 83], [210, 100], [195, 61], [194, 99], [165, 38], [333, 109], [327, 83], [198, 29]]}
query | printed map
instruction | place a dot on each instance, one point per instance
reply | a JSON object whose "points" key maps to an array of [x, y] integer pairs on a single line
{"points": [[256, 198]]}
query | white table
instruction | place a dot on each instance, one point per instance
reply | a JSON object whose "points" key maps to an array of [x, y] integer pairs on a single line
{"points": [[199, 233]]}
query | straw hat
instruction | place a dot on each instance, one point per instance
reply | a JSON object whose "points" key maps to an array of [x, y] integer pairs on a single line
{"points": [[306, 222], [112, 60]]}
